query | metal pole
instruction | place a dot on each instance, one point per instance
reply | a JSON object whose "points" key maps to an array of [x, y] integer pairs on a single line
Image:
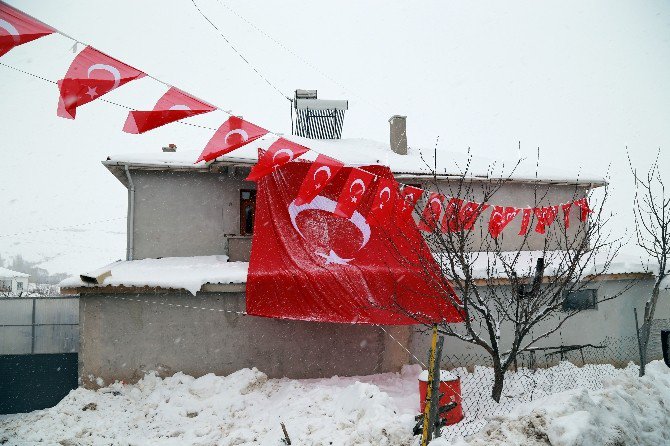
{"points": [[435, 392], [32, 331], [427, 428]]}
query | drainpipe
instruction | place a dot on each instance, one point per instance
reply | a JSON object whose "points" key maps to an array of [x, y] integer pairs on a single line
{"points": [[131, 215]]}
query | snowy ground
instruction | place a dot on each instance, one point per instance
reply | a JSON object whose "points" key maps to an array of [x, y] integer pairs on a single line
{"points": [[246, 408]]}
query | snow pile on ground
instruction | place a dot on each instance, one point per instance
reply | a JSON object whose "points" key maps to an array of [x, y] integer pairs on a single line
{"points": [[627, 411], [606, 406], [188, 273]]}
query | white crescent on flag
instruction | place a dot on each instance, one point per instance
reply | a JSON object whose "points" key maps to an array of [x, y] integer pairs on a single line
{"points": [[180, 107], [241, 132], [323, 169], [110, 69], [11, 30], [357, 181], [326, 204], [438, 201], [288, 152]]}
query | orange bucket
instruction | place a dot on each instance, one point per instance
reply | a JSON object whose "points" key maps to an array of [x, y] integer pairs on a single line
{"points": [[450, 387]]}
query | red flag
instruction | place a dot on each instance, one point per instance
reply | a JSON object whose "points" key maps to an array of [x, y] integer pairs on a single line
{"points": [[17, 28], [233, 134], [318, 176], [525, 221], [461, 215], [309, 264], [432, 212], [386, 195], [92, 74], [566, 214], [409, 197], [173, 106], [501, 217], [279, 153], [545, 217], [352, 192], [584, 208]]}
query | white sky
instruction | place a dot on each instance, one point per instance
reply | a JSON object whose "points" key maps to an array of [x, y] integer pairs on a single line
{"points": [[581, 80]]}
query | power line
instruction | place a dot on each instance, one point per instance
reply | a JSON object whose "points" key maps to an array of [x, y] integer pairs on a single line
{"points": [[61, 228], [239, 53]]}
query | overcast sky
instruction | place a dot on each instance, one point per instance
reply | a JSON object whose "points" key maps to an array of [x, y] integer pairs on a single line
{"points": [[580, 80]]}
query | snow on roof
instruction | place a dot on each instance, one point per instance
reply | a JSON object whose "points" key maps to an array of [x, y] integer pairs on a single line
{"points": [[360, 152], [489, 265], [6, 273], [188, 273]]}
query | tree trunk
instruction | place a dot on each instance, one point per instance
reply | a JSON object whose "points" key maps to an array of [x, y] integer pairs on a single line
{"points": [[499, 377]]}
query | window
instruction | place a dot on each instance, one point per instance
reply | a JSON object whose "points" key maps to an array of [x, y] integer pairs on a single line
{"points": [[5, 285], [247, 211], [19, 286], [579, 300]]}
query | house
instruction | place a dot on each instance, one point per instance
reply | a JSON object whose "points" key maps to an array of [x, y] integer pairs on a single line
{"points": [[177, 302], [13, 283]]}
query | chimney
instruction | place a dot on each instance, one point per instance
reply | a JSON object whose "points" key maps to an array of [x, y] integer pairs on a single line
{"points": [[398, 134]]}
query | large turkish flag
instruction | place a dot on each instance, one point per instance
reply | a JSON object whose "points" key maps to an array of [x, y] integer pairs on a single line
{"points": [[308, 263], [91, 75]]}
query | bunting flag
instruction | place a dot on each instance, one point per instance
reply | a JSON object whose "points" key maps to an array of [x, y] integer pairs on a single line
{"points": [[17, 28], [409, 196], [173, 106], [352, 192], [309, 264], [279, 153], [501, 216], [461, 215], [584, 208], [525, 221], [318, 176], [233, 134], [545, 217], [432, 212], [91, 75], [566, 214], [386, 196]]}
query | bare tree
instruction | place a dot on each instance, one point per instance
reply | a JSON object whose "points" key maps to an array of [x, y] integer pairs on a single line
{"points": [[510, 289], [651, 207]]}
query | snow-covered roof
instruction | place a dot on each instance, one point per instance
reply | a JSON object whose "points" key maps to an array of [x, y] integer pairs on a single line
{"points": [[489, 265], [8, 273], [187, 273], [360, 152]]}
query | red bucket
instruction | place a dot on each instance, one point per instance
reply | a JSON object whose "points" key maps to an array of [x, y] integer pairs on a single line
{"points": [[450, 387]]}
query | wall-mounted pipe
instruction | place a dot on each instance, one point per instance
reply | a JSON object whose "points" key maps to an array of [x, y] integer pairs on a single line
{"points": [[131, 216]]}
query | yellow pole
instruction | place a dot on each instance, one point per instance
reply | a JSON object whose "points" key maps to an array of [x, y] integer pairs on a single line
{"points": [[431, 371]]}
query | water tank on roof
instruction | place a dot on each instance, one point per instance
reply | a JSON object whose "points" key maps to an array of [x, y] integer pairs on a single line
{"points": [[317, 118]]}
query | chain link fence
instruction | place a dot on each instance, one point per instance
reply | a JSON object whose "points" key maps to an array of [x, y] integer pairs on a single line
{"points": [[537, 374]]}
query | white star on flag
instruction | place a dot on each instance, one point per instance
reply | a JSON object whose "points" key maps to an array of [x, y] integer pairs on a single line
{"points": [[91, 92]]}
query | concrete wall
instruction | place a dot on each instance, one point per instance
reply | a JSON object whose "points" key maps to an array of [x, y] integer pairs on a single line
{"points": [[181, 214], [611, 324], [195, 213], [123, 337]]}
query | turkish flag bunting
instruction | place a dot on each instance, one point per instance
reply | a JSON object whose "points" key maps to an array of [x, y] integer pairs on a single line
{"points": [[461, 215], [279, 153], [91, 74], [432, 212], [545, 217], [173, 106], [17, 28], [353, 190], [408, 199], [525, 221], [501, 216], [566, 214], [308, 263], [321, 172], [233, 134], [584, 208], [386, 196]]}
